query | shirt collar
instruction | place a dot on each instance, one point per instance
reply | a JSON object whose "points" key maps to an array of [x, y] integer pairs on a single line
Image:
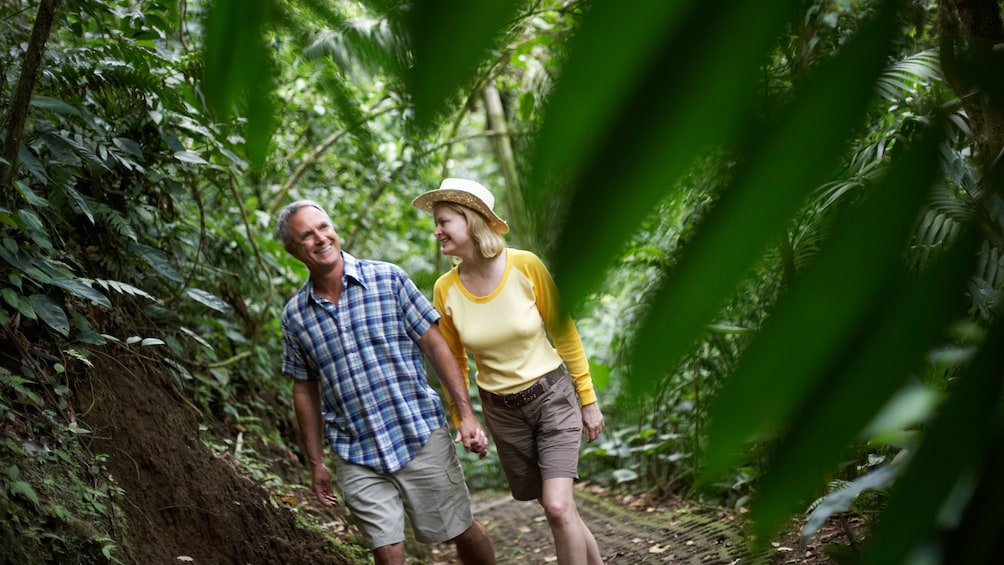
{"points": [[353, 271]]}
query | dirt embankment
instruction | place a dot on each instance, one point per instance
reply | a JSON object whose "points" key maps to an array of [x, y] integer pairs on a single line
{"points": [[182, 502]]}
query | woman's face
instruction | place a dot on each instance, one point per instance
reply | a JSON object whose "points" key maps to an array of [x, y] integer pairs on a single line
{"points": [[452, 231]]}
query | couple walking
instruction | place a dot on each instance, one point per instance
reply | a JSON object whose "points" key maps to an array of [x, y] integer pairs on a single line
{"points": [[354, 337]]}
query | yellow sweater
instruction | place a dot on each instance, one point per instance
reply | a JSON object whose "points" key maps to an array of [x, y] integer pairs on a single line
{"points": [[508, 330]]}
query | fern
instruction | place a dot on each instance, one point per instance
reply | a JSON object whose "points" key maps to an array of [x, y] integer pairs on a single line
{"points": [[17, 384], [940, 224], [116, 220], [79, 356], [905, 79], [121, 288]]}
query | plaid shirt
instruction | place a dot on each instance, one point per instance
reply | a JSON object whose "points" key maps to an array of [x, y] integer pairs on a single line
{"points": [[376, 402]]}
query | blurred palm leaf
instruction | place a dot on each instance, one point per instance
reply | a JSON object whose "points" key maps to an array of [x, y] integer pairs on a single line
{"points": [[449, 38], [238, 69], [678, 79], [365, 44], [957, 453], [781, 171], [908, 77]]}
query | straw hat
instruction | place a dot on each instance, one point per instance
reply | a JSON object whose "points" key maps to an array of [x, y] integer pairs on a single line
{"points": [[468, 193]]}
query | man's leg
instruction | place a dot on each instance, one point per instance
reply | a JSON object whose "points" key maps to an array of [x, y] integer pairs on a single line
{"points": [[392, 554], [474, 547]]}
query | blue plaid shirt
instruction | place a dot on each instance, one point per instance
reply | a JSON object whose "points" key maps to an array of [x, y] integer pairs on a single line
{"points": [[376, 402]]}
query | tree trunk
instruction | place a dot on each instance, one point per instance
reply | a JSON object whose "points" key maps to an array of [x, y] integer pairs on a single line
{"points": [[507, 163], [22, 94], [972, 55]]}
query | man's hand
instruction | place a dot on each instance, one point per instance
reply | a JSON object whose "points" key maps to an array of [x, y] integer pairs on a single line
{"points": [[321, 483], [472, 436], [592, 421]]}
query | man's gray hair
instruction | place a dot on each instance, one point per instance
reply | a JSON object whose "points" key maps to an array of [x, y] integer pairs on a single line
{"points": [[282, 223]]}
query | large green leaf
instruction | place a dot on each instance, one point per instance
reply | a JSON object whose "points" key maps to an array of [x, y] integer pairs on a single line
{"points": [[82, 290], [156, 259], [913, 320], [208, 299], [448, 39], [783, 168], [18, 302], [811, 327], [692, 88], [238, 69], [953, 452], [50, 313], [54, 104]]}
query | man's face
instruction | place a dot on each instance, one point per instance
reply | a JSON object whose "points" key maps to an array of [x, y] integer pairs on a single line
{"points": [[315, 242]]}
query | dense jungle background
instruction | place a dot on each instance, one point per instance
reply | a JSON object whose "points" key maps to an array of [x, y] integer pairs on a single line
{"points": [[778, 226]]}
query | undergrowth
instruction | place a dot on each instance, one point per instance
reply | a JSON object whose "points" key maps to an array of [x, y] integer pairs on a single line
{"points": [[57, 501]]}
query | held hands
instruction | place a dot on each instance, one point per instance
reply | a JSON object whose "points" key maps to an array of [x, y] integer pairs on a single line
{"points": [[472, 436], [321, 483], [592, 421]]}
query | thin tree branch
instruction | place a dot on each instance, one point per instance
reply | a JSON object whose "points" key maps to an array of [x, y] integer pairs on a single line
{"points": [[314, 155], [22, 94]]}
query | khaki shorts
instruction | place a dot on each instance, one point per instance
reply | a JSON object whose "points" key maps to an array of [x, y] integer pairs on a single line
{"points": [[430, 489], [538, 440]]}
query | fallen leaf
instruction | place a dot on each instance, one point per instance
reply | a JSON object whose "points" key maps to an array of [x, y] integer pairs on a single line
{"points": [[658, 548]]}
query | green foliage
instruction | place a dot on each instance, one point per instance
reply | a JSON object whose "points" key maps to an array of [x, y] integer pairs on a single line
{"points": [[764, 217], [856, 322], [58, 502]]}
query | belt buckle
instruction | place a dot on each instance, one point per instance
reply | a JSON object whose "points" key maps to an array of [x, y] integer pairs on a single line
{"points": [[514, 401]]}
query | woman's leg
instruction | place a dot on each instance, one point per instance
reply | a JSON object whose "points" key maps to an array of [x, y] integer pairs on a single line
{"points": [[573, 542]]}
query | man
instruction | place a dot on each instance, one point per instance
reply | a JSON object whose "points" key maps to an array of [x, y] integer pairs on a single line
{"points": [[353, 340]]}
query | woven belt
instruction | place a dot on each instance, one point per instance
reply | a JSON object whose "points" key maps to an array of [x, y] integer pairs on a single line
{"points": [[529, 394]]}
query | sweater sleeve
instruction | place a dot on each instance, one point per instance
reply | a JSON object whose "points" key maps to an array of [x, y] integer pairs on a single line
{"points": [[449, 331], [561, 328]]}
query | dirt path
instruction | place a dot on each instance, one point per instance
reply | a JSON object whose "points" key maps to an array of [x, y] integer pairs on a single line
{"points": [[633, 531], [686, 534]]}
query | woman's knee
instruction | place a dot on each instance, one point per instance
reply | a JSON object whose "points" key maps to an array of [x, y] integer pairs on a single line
{"points": [[558, 509]]}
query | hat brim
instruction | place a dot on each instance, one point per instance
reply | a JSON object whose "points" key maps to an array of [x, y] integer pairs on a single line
{"points": [[428, 200]]}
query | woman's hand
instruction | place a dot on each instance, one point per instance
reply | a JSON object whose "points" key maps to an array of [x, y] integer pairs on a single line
{"points": [[592, 421], [473, 436]]}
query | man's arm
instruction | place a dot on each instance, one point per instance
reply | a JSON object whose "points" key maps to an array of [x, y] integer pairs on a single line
{"points": [[438, 351], [307, 405]]}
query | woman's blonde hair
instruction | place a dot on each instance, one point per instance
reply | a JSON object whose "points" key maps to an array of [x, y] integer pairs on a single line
{"points": [[486, 241]]}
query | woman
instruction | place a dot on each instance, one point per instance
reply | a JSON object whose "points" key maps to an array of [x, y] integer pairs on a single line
{"points": [[501, 304]]}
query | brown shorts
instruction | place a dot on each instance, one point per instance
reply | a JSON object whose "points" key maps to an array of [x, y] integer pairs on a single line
{"points": [[538, 440]]}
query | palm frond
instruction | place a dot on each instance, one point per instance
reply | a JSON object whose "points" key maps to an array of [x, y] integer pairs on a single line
{"points": [[366, 45], [905, 79]]}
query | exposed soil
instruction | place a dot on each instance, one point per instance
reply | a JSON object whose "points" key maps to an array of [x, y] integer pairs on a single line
{"points": [[185, 503]]}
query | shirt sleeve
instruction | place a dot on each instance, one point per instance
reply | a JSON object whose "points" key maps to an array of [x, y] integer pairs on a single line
{"points": [[452, 337], [294, 362], [561, 328], [418, 312]]}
